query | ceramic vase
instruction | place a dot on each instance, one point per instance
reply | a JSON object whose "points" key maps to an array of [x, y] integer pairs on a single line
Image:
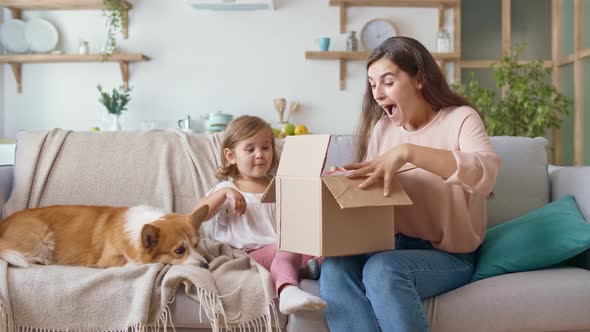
{"points": [[115, 122]]}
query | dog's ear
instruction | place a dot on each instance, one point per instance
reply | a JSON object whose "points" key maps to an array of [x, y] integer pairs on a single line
{"points": [[199, 216], [150, 235]]}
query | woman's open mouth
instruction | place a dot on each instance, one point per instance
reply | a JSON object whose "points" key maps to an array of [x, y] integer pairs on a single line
{"points": [[390, 109]]}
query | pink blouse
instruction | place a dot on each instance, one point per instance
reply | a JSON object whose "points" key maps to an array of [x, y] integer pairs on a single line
{"points": [[450, 213]]}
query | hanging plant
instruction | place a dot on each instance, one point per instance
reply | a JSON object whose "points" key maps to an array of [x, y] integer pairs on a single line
{"points": [[114, 11]]}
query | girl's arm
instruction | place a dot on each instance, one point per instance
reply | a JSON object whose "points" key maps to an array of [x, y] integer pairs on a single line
{"points": [[217, 198], [214, 200]]}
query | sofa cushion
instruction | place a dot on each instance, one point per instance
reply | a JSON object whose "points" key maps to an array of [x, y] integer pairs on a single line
{"points": [[545, 300], [573, 181], [341, 151], [523, 182], [539, 239]]}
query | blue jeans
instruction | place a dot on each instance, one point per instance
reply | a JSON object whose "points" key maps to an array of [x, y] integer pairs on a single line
{"points": [[384, 291]]}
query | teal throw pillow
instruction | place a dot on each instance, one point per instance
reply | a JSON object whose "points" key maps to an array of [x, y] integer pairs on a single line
{"points": [[536, 240]]}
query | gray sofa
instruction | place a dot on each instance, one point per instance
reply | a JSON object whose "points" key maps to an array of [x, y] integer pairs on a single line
{"points": [[556, 299]]}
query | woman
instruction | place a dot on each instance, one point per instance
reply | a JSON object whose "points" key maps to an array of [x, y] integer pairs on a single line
{"points": [[411, 115]]}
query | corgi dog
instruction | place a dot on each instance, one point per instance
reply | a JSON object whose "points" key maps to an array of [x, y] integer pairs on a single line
{"points": [[101, 236]]}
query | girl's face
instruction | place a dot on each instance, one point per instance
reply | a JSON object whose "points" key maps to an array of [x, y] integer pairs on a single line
{"points": [[253, 156], [394, 90]]}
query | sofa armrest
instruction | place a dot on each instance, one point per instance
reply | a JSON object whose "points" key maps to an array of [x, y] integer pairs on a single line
{"points": [[574, 180], [5, 184]]}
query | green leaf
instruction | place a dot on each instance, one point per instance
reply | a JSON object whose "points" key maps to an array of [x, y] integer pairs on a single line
{"points": [[116, 102], [529, 104]]}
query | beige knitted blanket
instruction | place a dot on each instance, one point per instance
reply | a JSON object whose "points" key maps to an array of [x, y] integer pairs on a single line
{"points": [[166, 169]]}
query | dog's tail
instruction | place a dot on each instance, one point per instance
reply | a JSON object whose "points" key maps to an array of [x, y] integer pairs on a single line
{"points": [[11, 256]]}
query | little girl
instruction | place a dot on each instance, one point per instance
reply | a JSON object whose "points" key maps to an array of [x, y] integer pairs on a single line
{"points": [[241, 220]]}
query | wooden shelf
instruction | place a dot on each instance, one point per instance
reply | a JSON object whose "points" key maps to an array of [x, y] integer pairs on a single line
{"points": [[17, 6], [442, 58], [16, 62], [486, 64], [393, 3], [362, 55], [50, 58], [344, 56], [54, 4]]}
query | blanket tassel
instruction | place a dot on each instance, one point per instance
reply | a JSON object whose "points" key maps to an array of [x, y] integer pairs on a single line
{"points": [[6, 323]]}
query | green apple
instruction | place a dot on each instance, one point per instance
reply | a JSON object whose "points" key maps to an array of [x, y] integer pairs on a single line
{"points": [[288, 129], [276, 132]]}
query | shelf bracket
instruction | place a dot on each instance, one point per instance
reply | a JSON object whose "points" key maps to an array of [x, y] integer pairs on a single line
{"points": [[124, 65], [125, 20], [16, 13], [443, 67], [441, 17], [17, 71], [342, 74], [125, 24], [342, 17]]}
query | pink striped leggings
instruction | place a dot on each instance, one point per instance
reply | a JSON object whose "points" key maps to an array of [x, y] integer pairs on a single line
{"points": [[283, 265]]}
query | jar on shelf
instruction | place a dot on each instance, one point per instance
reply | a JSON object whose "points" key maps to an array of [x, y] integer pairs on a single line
{"points": [[443, 41], [83, 50], [352, 42]]}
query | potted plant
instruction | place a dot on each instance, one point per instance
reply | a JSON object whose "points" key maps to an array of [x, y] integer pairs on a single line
{"points": [[115, 13], [529, 104], [115, 103]]}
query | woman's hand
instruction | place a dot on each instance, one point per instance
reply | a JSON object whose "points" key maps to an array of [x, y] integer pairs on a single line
{"points": [[237, 200], [337, 169], [381, 169]]}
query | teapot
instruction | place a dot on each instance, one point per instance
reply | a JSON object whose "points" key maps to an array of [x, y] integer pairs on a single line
{"points": [[217, 121]]}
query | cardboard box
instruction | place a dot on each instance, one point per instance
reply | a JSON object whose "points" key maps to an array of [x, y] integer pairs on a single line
{"points": [[328, 215]]}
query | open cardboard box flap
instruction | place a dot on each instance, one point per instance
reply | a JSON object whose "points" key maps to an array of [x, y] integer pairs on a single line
{"points": [[348, 194], [305, 156]]}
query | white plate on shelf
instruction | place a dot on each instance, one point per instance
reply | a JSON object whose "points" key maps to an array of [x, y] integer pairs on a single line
{"points": [[12, 36], [41, 35]]}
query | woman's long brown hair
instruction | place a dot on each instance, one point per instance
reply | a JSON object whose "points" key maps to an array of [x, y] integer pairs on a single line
{"points": [[414, 59]]}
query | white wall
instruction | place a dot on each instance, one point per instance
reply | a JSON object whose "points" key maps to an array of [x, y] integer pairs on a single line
{"points": [[202, 61]]}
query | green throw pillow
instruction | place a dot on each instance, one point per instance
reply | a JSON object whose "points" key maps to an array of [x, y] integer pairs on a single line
{"points": [[536, 240]]}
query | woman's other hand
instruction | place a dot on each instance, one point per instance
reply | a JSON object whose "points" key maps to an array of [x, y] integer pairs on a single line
{"points": [[237, 200], [381, 169]]}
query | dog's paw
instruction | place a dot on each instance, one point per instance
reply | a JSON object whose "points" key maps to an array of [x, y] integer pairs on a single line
{"points": [[41, 261]]}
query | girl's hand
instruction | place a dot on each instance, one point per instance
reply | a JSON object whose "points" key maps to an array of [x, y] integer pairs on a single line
{"points": [[381, 169], [237, 200]]}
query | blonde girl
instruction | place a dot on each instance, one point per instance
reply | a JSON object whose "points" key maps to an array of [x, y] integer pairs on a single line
{"points": [[241, 220]]}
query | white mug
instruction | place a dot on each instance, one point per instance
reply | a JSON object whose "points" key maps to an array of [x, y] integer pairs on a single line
{"points": [[185, 124]]}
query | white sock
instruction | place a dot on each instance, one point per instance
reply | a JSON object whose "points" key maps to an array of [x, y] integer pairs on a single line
{"points": [[293, 298]]}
